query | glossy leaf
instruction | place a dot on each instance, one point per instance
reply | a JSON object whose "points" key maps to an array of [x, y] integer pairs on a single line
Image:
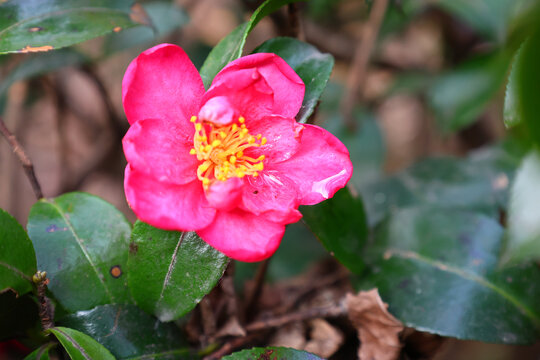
{"points": [[340, 224], [164, 16], [528, 84], [459, 96], [43, 25], [128, 332], [437, 269], [17, 257], [313, 67], [170, 271], [231, 47], [489, 17], [41, 353], [524, 218], [82, 242], [80, 346], [274, 353], [479, 182]]}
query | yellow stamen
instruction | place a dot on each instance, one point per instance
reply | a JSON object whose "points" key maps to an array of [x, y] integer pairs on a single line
{"points": [[220, 150]]}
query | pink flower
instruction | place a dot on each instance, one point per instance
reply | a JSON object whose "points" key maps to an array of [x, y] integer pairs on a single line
{"points": [[230, 163]]}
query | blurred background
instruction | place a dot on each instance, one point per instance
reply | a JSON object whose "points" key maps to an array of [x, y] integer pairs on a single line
{"points": [[431, 82]]}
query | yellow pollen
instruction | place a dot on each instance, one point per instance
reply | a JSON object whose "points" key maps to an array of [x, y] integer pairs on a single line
{"points": [[224, 152]]}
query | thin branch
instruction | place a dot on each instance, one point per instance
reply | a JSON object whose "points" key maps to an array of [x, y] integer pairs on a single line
{"points": [[27, 165], [46, 313], [313, 313], [358, 71], [252, 299], [295, 22]]}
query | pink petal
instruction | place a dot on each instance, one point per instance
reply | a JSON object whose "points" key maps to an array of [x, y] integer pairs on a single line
{"points": [[321, 166], [160, 150], [161, 83], [273, 195], [243, 236], [258, 85], [282, 135], [219, 111], [225, 195], [167, 206]]}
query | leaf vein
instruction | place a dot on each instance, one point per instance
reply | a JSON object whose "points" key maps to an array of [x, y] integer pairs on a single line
{"points": [[466, 275]]}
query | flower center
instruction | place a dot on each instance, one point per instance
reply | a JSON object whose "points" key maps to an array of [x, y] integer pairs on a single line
{"points": [[221, 150]]}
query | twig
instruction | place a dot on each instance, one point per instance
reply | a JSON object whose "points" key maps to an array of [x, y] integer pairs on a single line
{"points": [[358, 71], [230, 346], [45, 310], [313, 313], [23, 158], [251, 301], [295, 22]]}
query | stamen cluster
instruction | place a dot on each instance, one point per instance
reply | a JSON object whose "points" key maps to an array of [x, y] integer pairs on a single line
{"points": [[222, 151]]}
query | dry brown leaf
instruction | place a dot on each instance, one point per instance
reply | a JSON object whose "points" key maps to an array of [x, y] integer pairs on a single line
{"points": [[377, 329], [325, 339]]}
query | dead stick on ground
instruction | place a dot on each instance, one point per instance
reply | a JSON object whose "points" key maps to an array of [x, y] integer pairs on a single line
{"points": [[23, 158], [313, 313], [358, 71]]}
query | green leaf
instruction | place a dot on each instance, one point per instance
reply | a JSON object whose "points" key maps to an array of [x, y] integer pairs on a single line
{"points": [[165, 17], [512, 106], [460, 96], [80, 346], [478, 182], [128, 332], [437, 270], [489, 17], [523, 217], [313, 67], [40, 64], [82, 242], [230, 47], [170, 271], [340, 223], [274, 353], [17, 257], [41, 353], [528, 84], [42, 25]]}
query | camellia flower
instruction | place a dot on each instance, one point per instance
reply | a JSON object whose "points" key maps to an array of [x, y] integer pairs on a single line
{"points": [[230, 163]]}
